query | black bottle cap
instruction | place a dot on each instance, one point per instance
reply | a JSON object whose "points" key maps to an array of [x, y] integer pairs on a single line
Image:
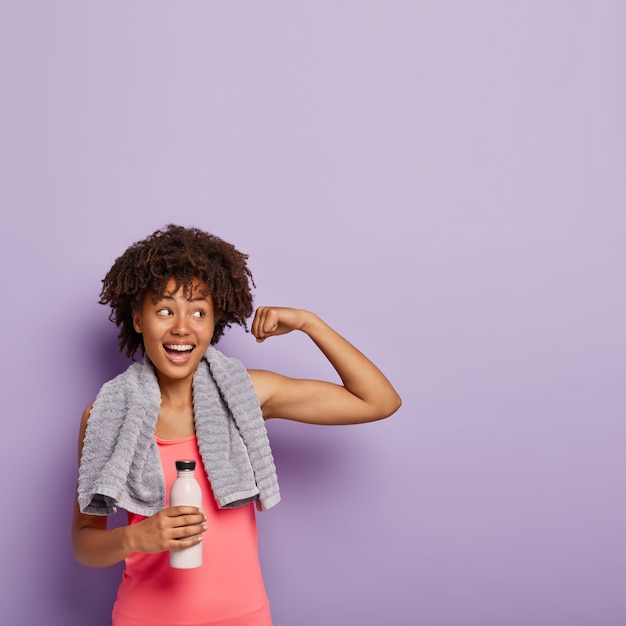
{"points": [[185, 465]]}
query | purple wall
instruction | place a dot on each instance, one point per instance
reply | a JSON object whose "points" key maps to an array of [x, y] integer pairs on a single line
{"points": [[444, 182]]}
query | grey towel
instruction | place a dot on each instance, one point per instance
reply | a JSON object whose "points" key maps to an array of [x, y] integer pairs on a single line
{"points": [[120, 464]]}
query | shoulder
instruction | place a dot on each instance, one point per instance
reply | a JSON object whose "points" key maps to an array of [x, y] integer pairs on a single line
{"points": [[83, 427], [266, 384], [262, 381], [86, 413]]}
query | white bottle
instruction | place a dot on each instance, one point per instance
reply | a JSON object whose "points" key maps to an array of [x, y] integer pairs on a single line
{"points": [[186, 491]]}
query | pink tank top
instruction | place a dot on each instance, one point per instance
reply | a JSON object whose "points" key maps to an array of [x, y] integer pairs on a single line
{"points": [[227, 590]]}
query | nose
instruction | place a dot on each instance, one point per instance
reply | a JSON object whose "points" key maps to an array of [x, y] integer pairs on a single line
{"points": [[179, 327]]}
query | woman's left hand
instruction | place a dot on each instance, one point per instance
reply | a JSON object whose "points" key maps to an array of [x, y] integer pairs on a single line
{"points": [[270, 321]]}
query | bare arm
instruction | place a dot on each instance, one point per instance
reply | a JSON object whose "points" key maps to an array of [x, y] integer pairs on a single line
{"points": [[95, 546], [365, 396]]}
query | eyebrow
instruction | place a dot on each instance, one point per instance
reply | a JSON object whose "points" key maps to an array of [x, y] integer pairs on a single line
{"points": [[195, 299]]}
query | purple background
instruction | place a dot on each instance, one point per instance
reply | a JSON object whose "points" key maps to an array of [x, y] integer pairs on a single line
{"points": [[443, 182]]}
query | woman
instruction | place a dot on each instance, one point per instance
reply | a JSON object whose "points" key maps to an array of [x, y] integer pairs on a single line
{"points": [[172, 295]]}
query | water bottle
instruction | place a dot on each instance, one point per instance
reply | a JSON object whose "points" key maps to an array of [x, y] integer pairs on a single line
{"points": [[186, 491]]}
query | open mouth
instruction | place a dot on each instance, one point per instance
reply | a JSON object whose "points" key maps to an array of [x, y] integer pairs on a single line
{"points": [[179, 351]]}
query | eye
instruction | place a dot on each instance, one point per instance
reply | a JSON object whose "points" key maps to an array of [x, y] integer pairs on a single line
{"points": [[164, 312], [199, 314]]}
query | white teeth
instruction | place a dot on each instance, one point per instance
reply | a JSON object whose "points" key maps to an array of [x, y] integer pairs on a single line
{"points": [[180, 348]]}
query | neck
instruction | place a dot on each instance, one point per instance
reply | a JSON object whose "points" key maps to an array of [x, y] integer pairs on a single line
{"points": [[175, 392], [175, 419]]}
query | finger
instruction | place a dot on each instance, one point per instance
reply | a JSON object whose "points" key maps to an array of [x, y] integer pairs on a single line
{"points": [[186, 521], [183, 533], [270, 322], [256, 323], [183, 509], [181, 544], [260, 326]]}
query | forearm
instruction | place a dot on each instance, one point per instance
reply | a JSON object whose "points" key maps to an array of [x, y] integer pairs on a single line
{"points": [[174, 528], [95, 546], [359, 375]]}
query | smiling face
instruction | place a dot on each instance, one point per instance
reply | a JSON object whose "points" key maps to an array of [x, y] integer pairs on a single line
{"points": [[176, 330]]}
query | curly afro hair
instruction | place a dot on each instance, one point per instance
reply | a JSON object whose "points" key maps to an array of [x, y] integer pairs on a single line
{"points": [[184, 254]]}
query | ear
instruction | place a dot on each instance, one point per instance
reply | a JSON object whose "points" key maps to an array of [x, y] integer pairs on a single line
{"points": [[137, 321]]}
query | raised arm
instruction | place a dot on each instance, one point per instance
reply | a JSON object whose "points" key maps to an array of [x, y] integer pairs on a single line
{"points": [[365, 395]]}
